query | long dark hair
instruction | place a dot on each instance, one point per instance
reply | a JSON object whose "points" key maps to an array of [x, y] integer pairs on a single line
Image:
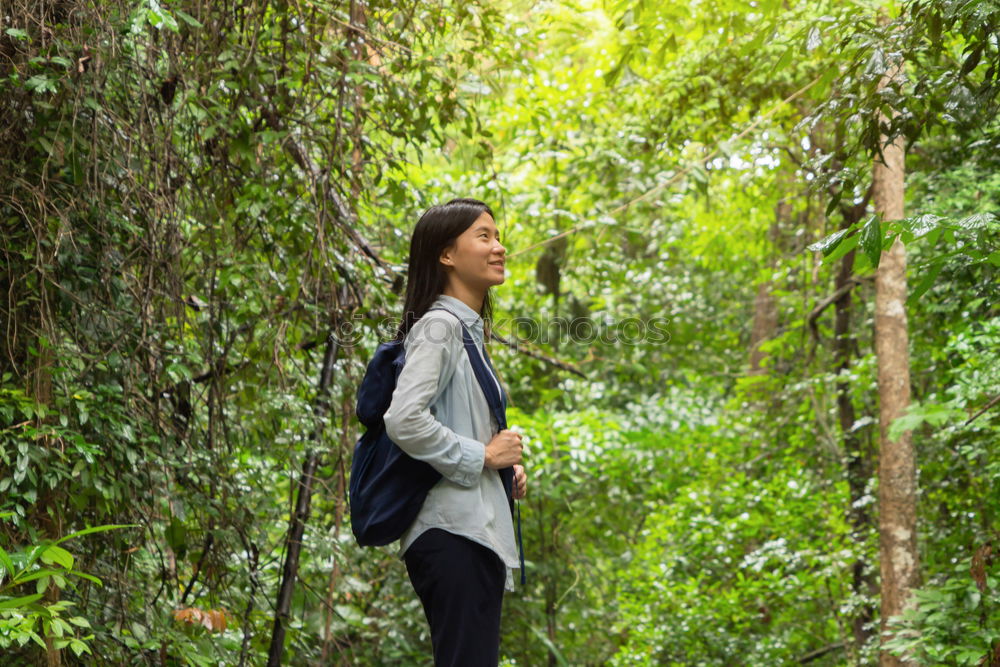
{"points": [[437, 229]]}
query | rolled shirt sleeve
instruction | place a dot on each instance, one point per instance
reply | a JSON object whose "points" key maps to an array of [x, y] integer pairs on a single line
{"points": [[432, 350]]}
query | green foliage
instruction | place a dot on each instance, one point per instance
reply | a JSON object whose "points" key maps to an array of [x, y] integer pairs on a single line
{"points": [[199, 195], [973, 240], [166, 301], [734, 561], [594, 477], [954, 620], [24, 616]]}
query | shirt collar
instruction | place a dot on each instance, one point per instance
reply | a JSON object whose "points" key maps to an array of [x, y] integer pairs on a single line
{"points": [[457, 307]]}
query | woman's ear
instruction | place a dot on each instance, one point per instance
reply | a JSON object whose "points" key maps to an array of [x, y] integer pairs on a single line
{"points": [[446, 256]]}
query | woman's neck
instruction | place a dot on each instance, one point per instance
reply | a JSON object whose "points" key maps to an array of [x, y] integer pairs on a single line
{"points": [[471, 298]]}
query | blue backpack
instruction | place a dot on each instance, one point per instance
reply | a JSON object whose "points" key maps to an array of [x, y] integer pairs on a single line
{"points": [[388, 487]]}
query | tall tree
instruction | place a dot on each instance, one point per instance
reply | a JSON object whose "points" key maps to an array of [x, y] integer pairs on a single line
{"points": [[897, 470]]}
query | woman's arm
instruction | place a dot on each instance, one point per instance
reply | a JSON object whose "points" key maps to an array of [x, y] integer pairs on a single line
{"points": [[431, 357]]}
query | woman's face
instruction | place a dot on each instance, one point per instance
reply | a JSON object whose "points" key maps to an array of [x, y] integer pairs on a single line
{"points": [[476, 258]]}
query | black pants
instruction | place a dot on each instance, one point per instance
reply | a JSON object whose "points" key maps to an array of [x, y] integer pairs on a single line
{"points": [[460, 583]]}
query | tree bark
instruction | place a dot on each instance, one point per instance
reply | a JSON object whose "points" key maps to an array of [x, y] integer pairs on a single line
{"points": [[765, 309], [765, 322], [897, 468]]}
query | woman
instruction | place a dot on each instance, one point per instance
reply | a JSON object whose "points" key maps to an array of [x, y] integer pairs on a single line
{"points": [[460, 550]]}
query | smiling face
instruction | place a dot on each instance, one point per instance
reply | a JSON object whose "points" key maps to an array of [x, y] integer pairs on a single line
{"points": [[475, 261]]}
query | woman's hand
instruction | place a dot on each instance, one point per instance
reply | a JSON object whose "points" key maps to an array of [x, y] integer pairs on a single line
{"points": [[520, 489], [504, 450]]}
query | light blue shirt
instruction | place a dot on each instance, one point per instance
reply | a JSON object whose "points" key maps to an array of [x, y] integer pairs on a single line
{"points": [[439, 414]]}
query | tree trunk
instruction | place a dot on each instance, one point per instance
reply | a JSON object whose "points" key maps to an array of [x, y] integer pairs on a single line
{"points": [[897, 469], [765, 309], [856, 453], [765, 322], [362, 52]]}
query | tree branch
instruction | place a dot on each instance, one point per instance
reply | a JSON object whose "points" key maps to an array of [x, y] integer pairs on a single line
{"points": [[209, 539], [825, 303], [819, 653], [993, 401], [297, 522], [562, 365]]}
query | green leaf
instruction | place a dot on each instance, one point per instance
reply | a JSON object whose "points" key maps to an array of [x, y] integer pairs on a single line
{"points": [[56, 554], [33, 554], [37, 574], [916, 414], [615, 72], [89, 577], [972, 60], [7, 563], [876, 65], [921, 225], [977, 221], [95, 529], [830, 243], [813, 39], [160, 18], [930, 275], [847, 246], [79, 647], [16, 603], [784, 60], [40, 84], [187, 18], [17, 33], [871, 240], [553, 649], [176, 535]]}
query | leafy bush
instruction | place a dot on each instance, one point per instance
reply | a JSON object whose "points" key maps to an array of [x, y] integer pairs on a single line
{"points": [[25, 616], [956, 620]]}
